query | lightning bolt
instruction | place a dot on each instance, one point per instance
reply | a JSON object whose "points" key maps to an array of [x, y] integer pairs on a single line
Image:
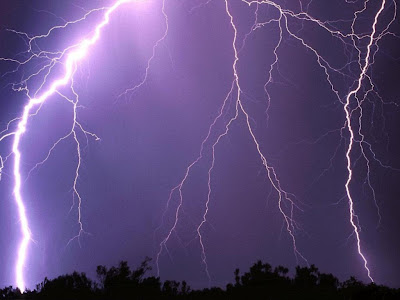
{"points": [[70, 57], [131, 91], [74, 54], [348, 112], [283, 196]]}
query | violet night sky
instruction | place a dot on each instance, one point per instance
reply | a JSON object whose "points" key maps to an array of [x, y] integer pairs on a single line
{"points": [[149, 138]]}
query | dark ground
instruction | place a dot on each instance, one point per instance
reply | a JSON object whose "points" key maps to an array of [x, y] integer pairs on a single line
{"points": [[262, 281]]}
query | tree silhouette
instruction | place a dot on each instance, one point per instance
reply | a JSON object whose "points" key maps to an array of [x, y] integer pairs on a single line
{"points": [[73, 286], [262, 281], [9, 293]]}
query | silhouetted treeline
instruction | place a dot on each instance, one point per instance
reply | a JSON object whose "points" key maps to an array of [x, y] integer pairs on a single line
{"points": [[260, 282]]}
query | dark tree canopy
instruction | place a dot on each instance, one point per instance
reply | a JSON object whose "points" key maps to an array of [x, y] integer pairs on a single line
{"points": [[262, 281]]}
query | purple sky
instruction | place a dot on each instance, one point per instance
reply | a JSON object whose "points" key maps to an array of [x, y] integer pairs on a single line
{"points": [[150, 137]]}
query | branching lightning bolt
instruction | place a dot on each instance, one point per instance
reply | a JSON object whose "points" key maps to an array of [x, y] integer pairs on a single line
{"points": [[283, 196], [72, 55], [350, 146], [130, 91]]}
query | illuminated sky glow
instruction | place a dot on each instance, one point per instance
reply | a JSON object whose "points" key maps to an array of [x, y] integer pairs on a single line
{"points": [[338, 151]]}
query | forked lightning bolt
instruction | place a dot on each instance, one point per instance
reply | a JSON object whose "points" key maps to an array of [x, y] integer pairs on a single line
{"points": [[352, 102], [348, 152], [283, 196], [74, 54], [283, 25]]}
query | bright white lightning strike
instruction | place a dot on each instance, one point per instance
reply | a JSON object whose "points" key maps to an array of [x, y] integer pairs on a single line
{"points": [[350, 147], [283, 196], [78, 52], [286, 205]]}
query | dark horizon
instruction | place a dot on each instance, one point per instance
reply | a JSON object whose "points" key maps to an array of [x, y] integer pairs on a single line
{"points": [[262, 279]]}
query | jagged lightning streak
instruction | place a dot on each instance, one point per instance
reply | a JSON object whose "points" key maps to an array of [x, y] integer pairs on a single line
{"points": [[131, 90], [352, 93], [363, 68], [282, 194], [327, 68], [273, 178], [78, 52], [183, 181]]}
